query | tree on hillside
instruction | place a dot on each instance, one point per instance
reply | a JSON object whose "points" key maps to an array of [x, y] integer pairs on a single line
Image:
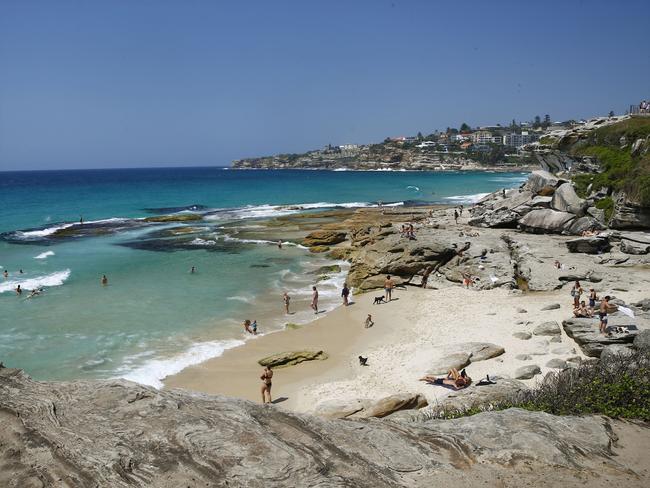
{"points": [[465, 128]]}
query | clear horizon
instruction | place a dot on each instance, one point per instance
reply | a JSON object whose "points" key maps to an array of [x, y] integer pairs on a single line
{"points": [[96, 85]]}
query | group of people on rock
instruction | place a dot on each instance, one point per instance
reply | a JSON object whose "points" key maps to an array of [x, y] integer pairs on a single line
{"points": [[581, 310], [408, 231]]}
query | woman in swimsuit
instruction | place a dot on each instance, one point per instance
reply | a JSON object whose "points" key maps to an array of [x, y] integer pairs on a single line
{"points": [[286, 298], [267, 374], [592, 299], [576, 291], [456, 380]]}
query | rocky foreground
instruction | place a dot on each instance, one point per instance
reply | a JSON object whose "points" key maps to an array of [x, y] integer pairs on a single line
{"points": [[119, 434]]}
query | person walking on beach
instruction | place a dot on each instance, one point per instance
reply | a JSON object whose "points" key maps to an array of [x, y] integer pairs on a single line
{"points": [[389, 284], [104, 280], [286, 299], [314, 299], [266, 377], [456, 216], [345, 293], [576, 293]]}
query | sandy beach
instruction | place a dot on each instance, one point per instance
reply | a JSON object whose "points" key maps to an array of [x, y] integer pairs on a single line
{"points": [[414, 331]]}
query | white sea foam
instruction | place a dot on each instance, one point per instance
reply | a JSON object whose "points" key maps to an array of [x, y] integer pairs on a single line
{"points": [[44, 255], [261, 211], [30, 234], [240, 298], [153, 371], [54, 279], [467, 198], [202, 242]]}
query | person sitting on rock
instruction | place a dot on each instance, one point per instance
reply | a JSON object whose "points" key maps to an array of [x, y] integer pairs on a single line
{"points": [[454, 379], [582, 311]]}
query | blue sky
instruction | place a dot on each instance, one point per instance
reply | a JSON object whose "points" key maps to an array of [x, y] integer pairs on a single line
{"points": [[95, 84]]}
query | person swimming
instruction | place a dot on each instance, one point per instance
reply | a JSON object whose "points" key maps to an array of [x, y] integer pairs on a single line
{"points": [[193, 270], [19, 290], [104, 280]]}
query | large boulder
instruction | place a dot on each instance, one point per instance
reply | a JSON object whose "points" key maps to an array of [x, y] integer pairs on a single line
{"points": [[589, 245], [542, 181], [339, 409], [480, 351], [565, 199], [545, 220], [629, 215], [501, 218], [292, 358], [581, 224], [635, 243]]}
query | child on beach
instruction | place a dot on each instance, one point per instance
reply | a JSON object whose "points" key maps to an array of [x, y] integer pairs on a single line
{"points": [[254, 327], [314, 300]]}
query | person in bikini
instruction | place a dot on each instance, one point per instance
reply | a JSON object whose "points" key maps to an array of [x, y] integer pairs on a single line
{"points": [[314, 300], [457, 380], [267, 375], [592, 299], [286, 299]]}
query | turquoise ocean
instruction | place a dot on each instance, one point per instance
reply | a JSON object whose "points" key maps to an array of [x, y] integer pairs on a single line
{"points": [[155, 317]]}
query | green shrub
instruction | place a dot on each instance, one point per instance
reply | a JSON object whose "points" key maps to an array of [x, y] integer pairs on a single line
{"points": [[606, 204]]}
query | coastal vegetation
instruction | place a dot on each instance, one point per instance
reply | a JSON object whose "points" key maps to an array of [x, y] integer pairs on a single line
{"points": [[622, 152]]}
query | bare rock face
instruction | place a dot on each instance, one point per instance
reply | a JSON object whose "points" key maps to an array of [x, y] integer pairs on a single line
{"points": [[457, 360], [121, 435], [390, 404], [629, 215], [589, 245], [540, 180]]}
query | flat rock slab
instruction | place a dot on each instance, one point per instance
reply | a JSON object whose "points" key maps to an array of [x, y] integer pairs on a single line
{"points": [[527, 372], [552, 306], [550, 328], [589, 245], [586, 333], [292, 358], [339, 409]]}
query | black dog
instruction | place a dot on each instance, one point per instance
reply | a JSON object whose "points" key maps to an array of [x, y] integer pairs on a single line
{"points": [[379, 300], [363, 361]]}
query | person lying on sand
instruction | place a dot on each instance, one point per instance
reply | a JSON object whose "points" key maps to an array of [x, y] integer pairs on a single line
{"points": [[582, 311], [454, 379]]}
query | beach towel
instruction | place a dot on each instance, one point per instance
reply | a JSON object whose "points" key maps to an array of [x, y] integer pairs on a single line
{"points": [[626, 311]]}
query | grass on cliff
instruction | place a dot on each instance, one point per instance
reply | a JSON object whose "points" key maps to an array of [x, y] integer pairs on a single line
{"points": [[621, 170], [618, 386]]}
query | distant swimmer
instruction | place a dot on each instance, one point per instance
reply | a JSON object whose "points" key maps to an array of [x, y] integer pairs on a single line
{"points": [[254, 327], [193, 270], [5, 273], [314, 299], [35, 291], [286, 299], [279, 244], [104, 280], [21, 271], [19, 290], [81, 219]]}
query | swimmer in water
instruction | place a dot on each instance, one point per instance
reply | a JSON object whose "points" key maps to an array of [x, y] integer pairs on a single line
{"points": [[254, 327], [5, 273], [35, 291], [279, 244], [19, 290], [104, 280], [193, 270]]}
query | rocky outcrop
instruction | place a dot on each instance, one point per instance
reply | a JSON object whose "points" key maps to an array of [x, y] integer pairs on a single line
{"points": [[635, 243], [463, 355], [292, 358], [629, 215], [457, 360], [324, 238], [542, 181], [586, 333]]}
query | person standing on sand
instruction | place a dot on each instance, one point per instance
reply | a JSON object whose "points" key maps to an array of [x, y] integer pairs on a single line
{"points": [[104, 280], [576, 293], [389, 284], [345, 293], [286, 299], [314, 299], [456, 216], [266, 377], [254, 327]]}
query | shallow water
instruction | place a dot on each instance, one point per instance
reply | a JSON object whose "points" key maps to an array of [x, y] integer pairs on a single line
{"points": [[156, 317]]}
